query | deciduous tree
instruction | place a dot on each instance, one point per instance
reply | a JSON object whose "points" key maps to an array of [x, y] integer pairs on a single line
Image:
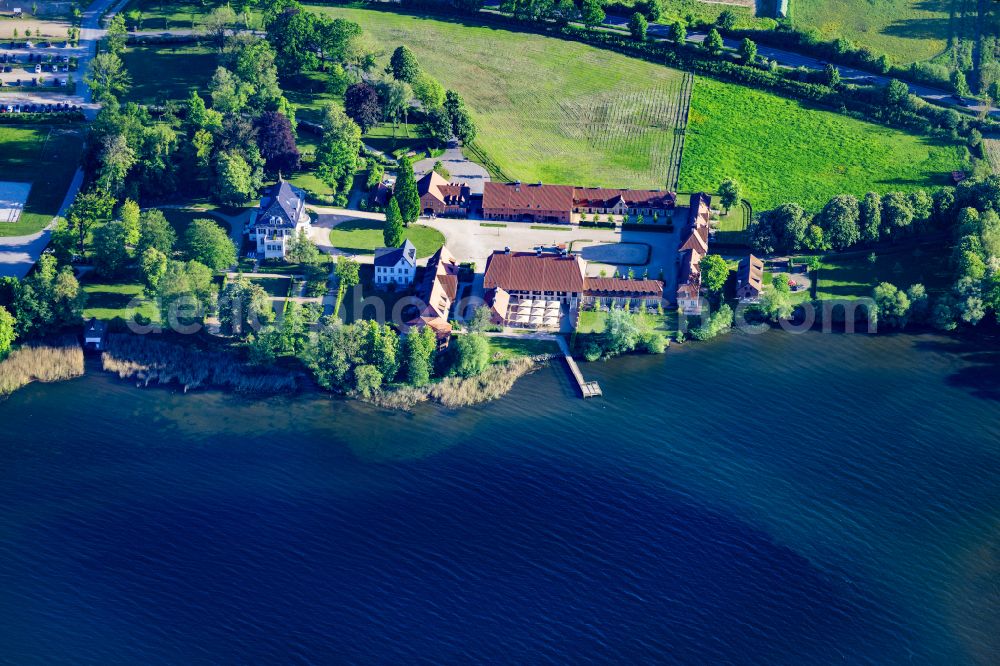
{"points": [[156, 232], [637, 27], [419, 352], [209, 244], [713, 42], [714, 273], [472, 355], [403, 65], [729, 194], [276, 140], [840, 221], [362, 105]]}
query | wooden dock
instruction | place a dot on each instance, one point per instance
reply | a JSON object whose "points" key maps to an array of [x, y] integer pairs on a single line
{"points": [[587, 389]]}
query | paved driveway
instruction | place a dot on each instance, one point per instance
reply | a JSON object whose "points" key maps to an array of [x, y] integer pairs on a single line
{"points": [[19, 253], [461, 169], [469, 241]]}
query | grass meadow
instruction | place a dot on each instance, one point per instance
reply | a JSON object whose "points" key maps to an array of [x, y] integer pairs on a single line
{"points": [[781, 151], [45, 156], [172, 14], [853, 275], [169, 71], [905, 30], [547, 110]]}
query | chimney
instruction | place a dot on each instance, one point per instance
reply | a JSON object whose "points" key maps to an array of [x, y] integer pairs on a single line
{"points": [[517, 186], [538, 251], [506, 250]]}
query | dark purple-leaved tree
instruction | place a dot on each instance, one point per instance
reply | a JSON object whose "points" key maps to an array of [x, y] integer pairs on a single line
{"points": [[277, 143], [362, 105]]}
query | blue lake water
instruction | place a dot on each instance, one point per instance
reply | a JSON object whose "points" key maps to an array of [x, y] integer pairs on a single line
{"points": [[779, 499]]}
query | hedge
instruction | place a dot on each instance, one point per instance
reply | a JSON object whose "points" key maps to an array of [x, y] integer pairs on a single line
{"points": [[62, 117]]}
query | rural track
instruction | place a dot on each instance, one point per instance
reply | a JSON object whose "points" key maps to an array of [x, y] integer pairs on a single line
{"points": [[680, 131]]}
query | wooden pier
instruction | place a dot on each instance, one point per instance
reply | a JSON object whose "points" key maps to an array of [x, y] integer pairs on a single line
{"points": [[587, 389]]}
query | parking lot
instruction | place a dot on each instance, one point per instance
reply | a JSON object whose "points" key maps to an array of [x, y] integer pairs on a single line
{"points": [[38, 66]]}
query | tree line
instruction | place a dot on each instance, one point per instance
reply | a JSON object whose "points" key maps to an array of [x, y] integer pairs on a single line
{"points": [[966, 216]]}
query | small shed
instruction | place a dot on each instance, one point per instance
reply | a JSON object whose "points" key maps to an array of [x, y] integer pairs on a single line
{"points": [[94, 335]]}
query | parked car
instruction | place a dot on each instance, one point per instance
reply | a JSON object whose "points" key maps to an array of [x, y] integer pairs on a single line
{"points": [[38, 69]]}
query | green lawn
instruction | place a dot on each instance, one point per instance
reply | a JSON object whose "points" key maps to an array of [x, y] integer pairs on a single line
{"points": [[310, 93], [169, 71], [596, 321], [905, 30], [547, 110], [403, 137], [781, 151], [363, 236], [45, 156], [507, 349], [854, 276], [107, 301]]}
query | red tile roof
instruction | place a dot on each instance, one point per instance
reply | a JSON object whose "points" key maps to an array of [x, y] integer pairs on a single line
{"points": [[450, 194], [520, 196], [619, 286], [528, 271], [599, 197], [751, 272]]}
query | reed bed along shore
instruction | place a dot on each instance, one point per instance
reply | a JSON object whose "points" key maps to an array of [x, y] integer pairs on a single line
{"points": [[41, 363], [150, 361], [453, 392]]}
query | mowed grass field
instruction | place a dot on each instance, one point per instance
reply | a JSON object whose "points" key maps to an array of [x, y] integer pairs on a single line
{"points": [[45, 156], [905, 30], [852, 275], [781, 151], [547, 110]]}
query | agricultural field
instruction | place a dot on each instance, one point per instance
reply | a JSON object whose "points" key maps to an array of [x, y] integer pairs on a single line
{"points": [[169, 71], [905, 30], [547, 110], [992, 145], [45, 156], [781, 151], [363, 236]]}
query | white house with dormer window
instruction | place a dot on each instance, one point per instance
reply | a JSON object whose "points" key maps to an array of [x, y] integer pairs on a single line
{"points": [[280, 217], [396, 265]]}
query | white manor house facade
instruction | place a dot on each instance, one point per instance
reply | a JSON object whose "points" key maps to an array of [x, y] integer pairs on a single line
{"points": [[279, 219]]}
